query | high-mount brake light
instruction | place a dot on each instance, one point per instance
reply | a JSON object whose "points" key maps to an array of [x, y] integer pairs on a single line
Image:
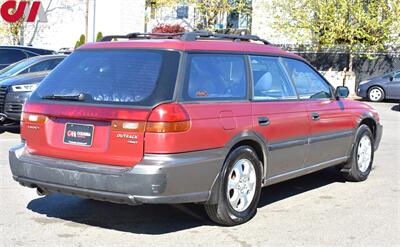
{"points": [[168, 118]]}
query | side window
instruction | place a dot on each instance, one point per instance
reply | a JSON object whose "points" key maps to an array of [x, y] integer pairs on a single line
{"points": [[397, 75], [9, 56], [269, 80], [216, 77], [42, 66], [309, 84]]}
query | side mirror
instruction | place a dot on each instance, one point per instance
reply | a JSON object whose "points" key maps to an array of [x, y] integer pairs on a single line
{"points": [[342, 92], [391, 78]]}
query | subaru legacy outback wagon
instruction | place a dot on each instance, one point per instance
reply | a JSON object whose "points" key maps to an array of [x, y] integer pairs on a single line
{"points": [[188, 118]]}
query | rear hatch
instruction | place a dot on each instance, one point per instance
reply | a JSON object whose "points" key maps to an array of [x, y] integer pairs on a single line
{"points": [[94, 106]]}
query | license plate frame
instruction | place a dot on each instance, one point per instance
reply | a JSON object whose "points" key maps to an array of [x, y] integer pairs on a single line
{"points": [[78, 134]]}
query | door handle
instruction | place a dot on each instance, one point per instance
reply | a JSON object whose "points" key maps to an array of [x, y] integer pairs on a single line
{"points": [[263, 121], [315, 116]]}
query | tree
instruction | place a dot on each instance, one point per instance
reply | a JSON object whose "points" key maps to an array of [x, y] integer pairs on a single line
{"points": [[18, 31], [37, 27], [12, 30], [211, 11], [81, 41], [99, 36], [355, 25]]}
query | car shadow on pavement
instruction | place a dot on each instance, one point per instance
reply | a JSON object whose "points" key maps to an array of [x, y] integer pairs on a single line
{"points": [[293, 187], [396, 107], [161, 219]]}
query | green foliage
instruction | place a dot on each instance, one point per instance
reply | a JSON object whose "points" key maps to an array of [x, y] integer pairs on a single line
{"points": [[210, 11], [12, 30], [354, 24], [99, 36], [81, 41]]}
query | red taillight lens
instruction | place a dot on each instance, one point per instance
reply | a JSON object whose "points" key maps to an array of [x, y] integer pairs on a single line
{"points": [[168, 113], [168, 118]]}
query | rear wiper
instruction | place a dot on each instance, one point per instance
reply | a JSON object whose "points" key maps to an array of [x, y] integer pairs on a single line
{"points": [[77, 97]]}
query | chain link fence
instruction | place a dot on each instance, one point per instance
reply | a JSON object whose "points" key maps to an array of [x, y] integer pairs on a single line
{"points": [[365, 65]]}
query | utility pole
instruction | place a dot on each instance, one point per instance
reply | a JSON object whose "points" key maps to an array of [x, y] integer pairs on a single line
{"points": [[94, 20], [87, 21]]}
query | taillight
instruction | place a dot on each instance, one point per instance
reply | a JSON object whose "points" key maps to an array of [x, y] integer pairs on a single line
{"points": [[33, 118], [168, 118], [127, 126]]}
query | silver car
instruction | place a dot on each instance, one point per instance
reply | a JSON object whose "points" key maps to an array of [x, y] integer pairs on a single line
{"points": [[380, 88]]}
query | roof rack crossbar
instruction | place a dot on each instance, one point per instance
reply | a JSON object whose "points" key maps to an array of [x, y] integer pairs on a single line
{"points": [[187, 36], [192, 36]]}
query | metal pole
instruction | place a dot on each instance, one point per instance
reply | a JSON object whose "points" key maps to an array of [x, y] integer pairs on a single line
{"points": [[94, 20], [87, 21]]}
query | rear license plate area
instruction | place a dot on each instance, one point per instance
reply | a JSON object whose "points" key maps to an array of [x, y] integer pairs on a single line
{"points": [[78, 134]]}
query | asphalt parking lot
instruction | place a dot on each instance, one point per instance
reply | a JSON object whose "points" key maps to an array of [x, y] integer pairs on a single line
{"points": [[316, 210]]}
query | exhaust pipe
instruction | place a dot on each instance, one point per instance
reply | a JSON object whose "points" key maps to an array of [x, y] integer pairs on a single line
{"points": [[41, 192]]}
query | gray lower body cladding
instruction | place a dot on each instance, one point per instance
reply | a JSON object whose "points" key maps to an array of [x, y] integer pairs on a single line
{"points": [[173, 178]]}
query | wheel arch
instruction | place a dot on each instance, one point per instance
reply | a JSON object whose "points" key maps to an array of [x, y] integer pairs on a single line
{"points": [[369, 120], [254, 140], [245, 138]]}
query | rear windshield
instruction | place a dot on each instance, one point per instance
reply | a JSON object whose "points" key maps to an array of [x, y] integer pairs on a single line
{"points": [[122, 77]]}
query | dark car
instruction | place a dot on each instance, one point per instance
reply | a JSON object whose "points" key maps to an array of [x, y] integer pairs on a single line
{"points": [[380, 88], [13, 93], [33, 64], [13, 54], [192, 118]]}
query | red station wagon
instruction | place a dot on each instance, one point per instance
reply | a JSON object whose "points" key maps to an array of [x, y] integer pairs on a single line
{"points": [[188, 118]]}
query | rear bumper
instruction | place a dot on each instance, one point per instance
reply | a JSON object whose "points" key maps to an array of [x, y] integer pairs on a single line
{"points": [[173, 178]]}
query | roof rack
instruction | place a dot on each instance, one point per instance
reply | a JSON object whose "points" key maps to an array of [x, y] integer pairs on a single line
{"points": [[188, 36]]}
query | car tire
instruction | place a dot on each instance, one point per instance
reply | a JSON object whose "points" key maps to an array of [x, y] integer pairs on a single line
{"points": [[239, 190], [359, 165], [376, 94]]}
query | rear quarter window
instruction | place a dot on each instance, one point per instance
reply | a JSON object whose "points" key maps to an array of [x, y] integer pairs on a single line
{"points": [[215, 77]]}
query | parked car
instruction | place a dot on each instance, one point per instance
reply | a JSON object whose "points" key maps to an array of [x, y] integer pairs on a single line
{"points": [[194, 117], [13, 93], [380, 88], [33, 64], [13, 54], [65, 50]]}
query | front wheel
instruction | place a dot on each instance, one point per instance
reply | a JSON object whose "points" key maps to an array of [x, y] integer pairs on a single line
{"points": [[376, 94], [359, 164], [240, 188]]}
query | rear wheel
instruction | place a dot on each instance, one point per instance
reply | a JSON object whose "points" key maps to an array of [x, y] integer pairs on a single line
{"points": [[359, 165], [239, 190], [376, 94]]}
